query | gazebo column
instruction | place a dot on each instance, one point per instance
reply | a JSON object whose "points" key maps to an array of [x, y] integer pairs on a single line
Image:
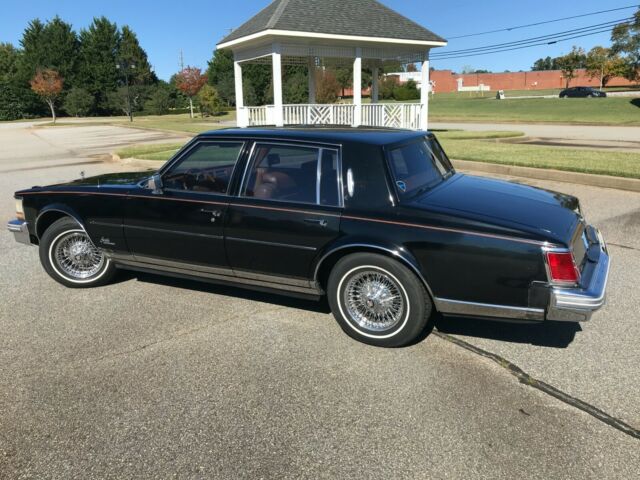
{"points": [[277, 86], [242, 118], [374, 85], [357, 88], [312, 80], [424, 94]]}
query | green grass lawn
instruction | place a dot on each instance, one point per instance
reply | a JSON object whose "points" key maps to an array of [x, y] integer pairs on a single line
{"points": [[601, 162], [458, 107], [158, 151], [483, 147], [173, 123], [475, 107]]}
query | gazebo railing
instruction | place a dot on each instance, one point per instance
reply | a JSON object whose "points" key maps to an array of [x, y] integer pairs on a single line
{"points": [[390, 115]]}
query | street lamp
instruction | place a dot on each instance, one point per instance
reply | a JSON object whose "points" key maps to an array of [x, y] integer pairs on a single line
{"points": [[126, 67]]}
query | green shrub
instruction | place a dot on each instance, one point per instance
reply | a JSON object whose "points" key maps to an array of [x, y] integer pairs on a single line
{"points": [[406, 91], [78, 102]]}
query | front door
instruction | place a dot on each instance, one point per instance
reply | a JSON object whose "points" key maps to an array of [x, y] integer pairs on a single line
{"points": [[183, 225], [287, 210]]}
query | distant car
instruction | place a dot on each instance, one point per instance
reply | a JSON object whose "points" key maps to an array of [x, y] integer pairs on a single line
{"points": [[377, 220], [581, 92]]}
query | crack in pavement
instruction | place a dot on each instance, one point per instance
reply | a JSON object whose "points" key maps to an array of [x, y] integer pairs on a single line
{"points": [[627, 247], [527, 379]]}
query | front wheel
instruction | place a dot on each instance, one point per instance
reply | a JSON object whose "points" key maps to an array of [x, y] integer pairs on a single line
{"points": [[69, 256], [377, 300]]}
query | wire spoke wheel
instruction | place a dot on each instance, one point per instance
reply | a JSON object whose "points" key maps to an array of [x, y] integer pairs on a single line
{"points": [[374, 301], [76, 256]]}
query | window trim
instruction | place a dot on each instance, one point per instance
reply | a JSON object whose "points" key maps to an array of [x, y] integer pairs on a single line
{"points": [[388, 160], [188, 149], [319, 147]]}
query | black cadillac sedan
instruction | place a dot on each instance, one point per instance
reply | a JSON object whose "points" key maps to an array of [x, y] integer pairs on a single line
{"points": [[582, 92], [377, 220]]}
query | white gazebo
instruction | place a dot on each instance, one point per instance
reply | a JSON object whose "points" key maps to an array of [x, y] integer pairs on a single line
{"points": [[362, 33]]}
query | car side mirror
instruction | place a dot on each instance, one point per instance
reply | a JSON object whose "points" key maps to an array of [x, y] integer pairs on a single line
{"points": [[155, 184]]}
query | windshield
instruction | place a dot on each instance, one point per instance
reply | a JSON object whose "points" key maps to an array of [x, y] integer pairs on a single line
{"points": [[419, 166]]}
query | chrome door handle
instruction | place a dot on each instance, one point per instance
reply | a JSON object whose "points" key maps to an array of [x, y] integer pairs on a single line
{"points": [[213, 213], [317, 221]]}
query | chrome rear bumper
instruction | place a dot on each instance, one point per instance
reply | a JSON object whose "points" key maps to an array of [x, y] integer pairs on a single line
{"points": [[577, 304], [20, 230]]}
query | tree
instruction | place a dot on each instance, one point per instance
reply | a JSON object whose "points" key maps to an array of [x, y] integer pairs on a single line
{"points": [[210, 103], [11, 106], [626, 41], [602, 63], [48, 85], [406, 91], [344, 77], [543, 64], [295, 88], [8, 61], [386, 87], [327, 87], [160, 99], [411, 67], [78, 102], [570, 62], [131, 53], [190, 81], [53, 45], [98, 59], [220, 74]]}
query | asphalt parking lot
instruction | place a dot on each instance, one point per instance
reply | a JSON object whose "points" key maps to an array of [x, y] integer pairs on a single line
{"points": [[153, 377]]}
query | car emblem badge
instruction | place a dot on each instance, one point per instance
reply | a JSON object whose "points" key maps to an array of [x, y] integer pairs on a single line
{"points": [[106, 241], [402, 186]]}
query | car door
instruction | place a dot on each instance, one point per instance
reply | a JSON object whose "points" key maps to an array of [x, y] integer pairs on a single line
{"points": [[182, 225], [288, 208]]}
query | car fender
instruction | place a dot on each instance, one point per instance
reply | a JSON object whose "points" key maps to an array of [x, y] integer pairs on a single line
{"points": [[59, 208], [356, 244]]}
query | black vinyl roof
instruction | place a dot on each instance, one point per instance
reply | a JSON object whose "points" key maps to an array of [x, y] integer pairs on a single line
{"points": [[335, 135], [367, 18]]}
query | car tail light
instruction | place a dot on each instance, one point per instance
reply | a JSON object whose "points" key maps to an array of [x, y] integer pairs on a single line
{"points": [[562, 267]]}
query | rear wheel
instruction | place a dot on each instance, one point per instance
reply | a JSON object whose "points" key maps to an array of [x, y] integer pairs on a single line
{"points": [[69, 256], [377, 300]]}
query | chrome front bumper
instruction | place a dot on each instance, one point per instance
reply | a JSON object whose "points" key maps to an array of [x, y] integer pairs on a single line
{"points": [[577, 304], [20, 231]]}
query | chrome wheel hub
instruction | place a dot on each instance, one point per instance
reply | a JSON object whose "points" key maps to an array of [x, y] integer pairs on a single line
{"points": [[374, 300], [76, 256]]}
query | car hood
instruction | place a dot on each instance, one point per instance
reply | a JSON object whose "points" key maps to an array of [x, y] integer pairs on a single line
{"points": [[109, 179], [550, 214]]}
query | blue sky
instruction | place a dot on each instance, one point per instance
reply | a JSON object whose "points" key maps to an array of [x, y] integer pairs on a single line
{"points": [[166, 27]]}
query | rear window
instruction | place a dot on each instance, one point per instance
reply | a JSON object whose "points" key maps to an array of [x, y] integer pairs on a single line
{"points": [[419, 166]]}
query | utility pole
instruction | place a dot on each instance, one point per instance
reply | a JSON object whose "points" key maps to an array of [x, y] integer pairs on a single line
{"points": [[181, 60]]}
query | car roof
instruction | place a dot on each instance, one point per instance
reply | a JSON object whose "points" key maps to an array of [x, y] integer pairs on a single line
{"points": [[324, 134]]}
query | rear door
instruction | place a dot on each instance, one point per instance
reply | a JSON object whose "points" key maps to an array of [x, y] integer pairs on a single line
{"points": [[287, 210]]}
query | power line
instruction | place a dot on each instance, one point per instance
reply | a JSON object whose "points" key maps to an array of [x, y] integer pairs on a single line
{"points": [[543, 23], [524, 46], [523, 42]]}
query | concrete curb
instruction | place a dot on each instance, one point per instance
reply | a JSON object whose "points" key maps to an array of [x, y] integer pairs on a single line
{"points": [[606, 181], [136, 162]]}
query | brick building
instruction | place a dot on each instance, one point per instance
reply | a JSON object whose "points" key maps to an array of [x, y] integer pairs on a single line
{"points": [[447, 81]]}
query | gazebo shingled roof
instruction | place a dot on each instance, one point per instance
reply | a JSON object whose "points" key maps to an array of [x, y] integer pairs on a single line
{"points": [[304, 32], [364, 18]]}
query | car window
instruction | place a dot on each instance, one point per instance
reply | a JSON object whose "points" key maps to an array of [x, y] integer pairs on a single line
{"points": [[419, 166], [207, 168], [293, 173]]}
